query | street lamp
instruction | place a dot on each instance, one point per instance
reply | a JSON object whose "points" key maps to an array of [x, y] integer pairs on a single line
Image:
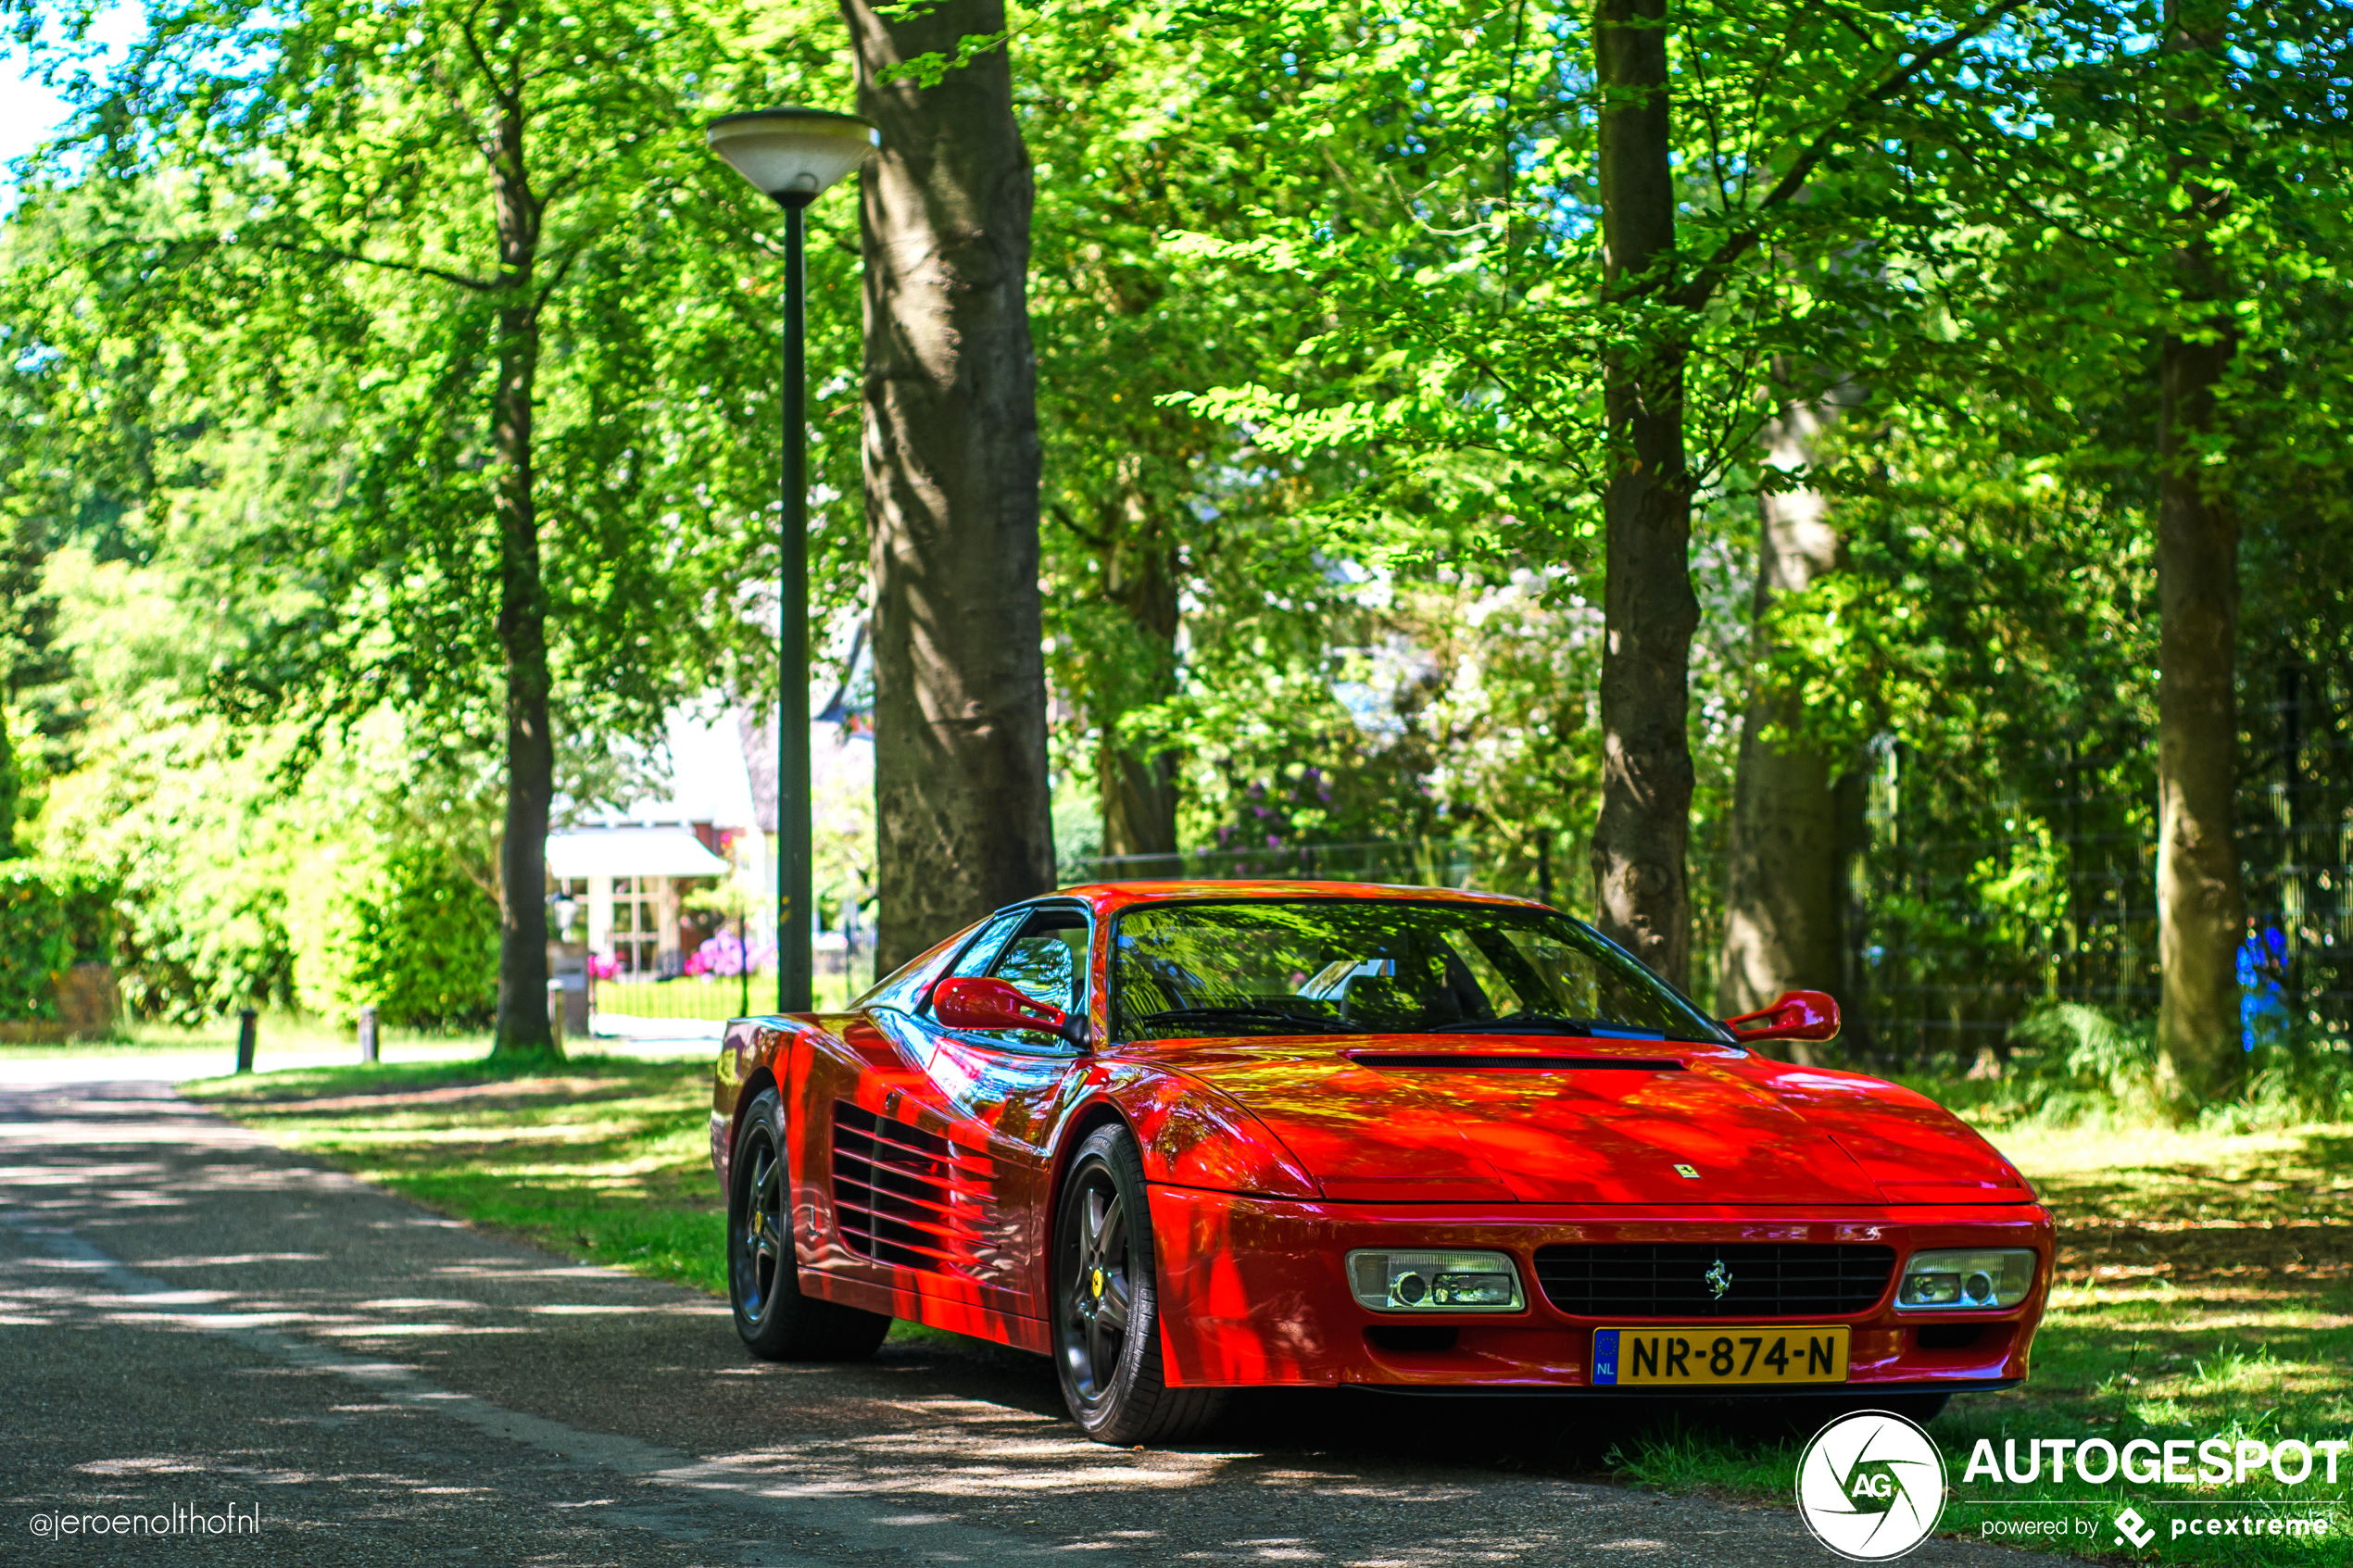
{"points": [[792, 154]]}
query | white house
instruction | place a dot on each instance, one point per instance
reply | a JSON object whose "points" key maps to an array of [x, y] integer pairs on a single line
{"points": [[625, 875]]}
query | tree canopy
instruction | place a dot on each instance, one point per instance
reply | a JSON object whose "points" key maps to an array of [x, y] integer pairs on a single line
{"points": [[1414, 389]]}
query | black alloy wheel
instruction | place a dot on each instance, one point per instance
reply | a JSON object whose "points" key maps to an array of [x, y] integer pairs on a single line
{"points": [[1106, 1304], [764, 1240], [763, 1276]]}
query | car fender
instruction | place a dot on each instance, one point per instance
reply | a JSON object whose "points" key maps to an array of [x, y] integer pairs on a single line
{"points": [[1914, 1148], [748, 1063], [1193, 1135]]}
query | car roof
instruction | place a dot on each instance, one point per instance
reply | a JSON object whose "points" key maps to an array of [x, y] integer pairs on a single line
{"points": [[1107, 896]]}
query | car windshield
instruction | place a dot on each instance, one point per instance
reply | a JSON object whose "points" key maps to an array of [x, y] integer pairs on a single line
{"points": [[1382, 965]]}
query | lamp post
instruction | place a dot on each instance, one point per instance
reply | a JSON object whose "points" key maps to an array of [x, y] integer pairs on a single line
{"points": [[792, 154]]}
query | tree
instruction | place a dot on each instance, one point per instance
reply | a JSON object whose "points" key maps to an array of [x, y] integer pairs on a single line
{"points": [[28, 657], [951, 468], [1638, 850], [1585, 223], [2201, 911], [1784, 857], [1149, 503], [2170, 233], [460, 275]]}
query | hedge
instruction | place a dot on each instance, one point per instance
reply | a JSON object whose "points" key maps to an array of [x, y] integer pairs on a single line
{"points": [[51, 917]]}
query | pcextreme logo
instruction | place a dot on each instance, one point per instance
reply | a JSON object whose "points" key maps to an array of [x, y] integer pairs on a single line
{"points": [[1870, 1485]]}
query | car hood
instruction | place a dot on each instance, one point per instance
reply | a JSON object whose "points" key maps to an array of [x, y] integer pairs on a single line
{"points": [[1450, 1119]]}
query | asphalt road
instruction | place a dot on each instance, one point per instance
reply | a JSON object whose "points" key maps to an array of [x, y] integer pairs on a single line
{"points": [[191, 1318]]}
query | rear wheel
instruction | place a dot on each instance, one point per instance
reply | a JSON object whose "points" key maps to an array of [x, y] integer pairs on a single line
{"points": [[763, 1276], [1107, 1304]]}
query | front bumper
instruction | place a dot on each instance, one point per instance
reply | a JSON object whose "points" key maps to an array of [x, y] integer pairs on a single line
{"points": [[1251, 1293]]}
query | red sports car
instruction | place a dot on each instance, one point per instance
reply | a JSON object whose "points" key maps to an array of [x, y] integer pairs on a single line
{"points": [[1185, 1137]]}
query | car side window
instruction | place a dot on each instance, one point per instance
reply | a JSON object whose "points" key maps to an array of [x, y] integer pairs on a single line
{"points": [[1047, 958], [976, 958], [905, 988]]}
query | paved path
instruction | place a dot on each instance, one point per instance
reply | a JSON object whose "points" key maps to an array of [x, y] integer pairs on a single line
{"points": [[170, 1064], [190, 1316]]}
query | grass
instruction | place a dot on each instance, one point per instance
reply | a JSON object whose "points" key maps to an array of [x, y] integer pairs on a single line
{"points": [[605, 1158], [2204, 1287], [2205, 1282]]}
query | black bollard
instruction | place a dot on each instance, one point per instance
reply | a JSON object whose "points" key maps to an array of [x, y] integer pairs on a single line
{"points": [[249, 1024]]}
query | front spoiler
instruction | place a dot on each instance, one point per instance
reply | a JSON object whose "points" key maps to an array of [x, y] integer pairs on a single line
{"points": [[1847, 1391]]}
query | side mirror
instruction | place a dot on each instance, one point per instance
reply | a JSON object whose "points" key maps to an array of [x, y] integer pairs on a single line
{"points": [[970, 1001], [1799, 1015]]}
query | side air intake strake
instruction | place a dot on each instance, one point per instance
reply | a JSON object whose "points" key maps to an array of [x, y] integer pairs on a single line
{"points": [[904, 1196]]}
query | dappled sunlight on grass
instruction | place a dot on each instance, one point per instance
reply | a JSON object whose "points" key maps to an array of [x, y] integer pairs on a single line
{"points": [[606, 1159]]}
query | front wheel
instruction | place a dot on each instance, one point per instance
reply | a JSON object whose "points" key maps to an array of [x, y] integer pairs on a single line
{"points": [[1107, 1304], [763, 1276]]}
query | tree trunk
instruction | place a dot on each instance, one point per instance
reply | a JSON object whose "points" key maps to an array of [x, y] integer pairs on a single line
{"points": [[952, 469], [1850, 804], [1784, 859], [2201, 914], [1139, 787], [522, 1027], [11, 788], [1649, 611]]}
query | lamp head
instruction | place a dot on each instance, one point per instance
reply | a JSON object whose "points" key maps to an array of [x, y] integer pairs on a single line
{"points": [[793, 154]]}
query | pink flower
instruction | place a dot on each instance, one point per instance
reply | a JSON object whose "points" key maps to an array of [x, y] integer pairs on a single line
{"points": [[724, 955]]}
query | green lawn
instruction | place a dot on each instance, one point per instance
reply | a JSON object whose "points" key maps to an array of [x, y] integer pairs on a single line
{"points": [[2205, 1280]]}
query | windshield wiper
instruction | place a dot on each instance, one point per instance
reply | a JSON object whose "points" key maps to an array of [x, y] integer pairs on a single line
{"points": [[1247, 1015]]}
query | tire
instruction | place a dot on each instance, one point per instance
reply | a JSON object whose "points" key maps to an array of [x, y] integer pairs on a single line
{"points": [[1107, 1304], [763, 1276]]}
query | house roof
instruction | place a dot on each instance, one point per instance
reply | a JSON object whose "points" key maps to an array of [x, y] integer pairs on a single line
{"points": [[630, 851]]}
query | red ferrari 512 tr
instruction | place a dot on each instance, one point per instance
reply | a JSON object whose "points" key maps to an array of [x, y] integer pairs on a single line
{"points": [[1185, 1137]]}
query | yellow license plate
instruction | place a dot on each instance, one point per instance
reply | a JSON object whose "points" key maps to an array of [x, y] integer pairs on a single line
{"points": [[1711, 1357]]}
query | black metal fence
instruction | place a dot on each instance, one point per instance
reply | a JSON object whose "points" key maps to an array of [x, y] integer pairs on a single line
{"points": [[841, 970], [1954, 936], [1430, 863]]}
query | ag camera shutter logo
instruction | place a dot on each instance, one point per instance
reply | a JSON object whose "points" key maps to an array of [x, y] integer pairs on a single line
{"points": [[1870, 1485]]}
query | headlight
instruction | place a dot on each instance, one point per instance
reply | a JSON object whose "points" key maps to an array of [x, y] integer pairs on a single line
{"points": [[1435, 1282], [1986, 1280]]}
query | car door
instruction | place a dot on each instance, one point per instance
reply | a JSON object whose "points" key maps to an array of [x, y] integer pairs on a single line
{"points": [[875, 1179], [935, 1159], [1008, 1085]]}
